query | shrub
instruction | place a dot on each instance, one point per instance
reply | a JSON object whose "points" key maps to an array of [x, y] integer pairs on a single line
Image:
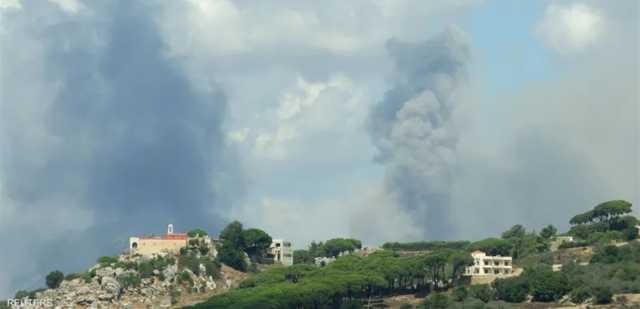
{"points": [[126, 265], [129, 280], [184, 277], [28, 294], [87, 276], [573, 244], [426, 245], [146, 268], [190, 262], [580, 294], [460, 293], [21, 294], [437, 301], [107, 260], [232, 256], [602, 295], [72, 276], [54, 279], [547, 285], [212, 267], [482, 292], [406, 306], [492, 246], [513, 290], [197, 233]]}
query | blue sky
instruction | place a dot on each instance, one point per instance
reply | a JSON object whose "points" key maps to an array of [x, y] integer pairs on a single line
{"points": [[384, 121], [508, 53]]}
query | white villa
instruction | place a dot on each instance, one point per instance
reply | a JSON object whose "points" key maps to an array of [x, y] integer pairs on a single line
{"points": [[485, 265], [281, 252]]}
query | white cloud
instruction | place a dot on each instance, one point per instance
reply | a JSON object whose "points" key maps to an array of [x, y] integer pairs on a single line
{"points": [[10, 4], [69, 6], [570, 28], [368, 214], [306, 110]]}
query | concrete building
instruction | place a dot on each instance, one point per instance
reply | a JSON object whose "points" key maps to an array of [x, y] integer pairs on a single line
{"points": [[281, 252], [148, 245], [493, 266]]}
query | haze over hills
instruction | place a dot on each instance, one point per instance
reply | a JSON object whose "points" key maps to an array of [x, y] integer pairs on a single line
{"points": [[386, 121]]}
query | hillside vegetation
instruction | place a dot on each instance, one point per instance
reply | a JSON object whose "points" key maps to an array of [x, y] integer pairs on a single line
{"points": [[354, 281]]}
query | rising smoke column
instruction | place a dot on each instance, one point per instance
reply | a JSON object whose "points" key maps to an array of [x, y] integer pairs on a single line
{"points": [[413, 131], [103, 135]]}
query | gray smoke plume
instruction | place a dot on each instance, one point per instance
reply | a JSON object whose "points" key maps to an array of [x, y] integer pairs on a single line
{"points": [[103, 133], [412, 127]]}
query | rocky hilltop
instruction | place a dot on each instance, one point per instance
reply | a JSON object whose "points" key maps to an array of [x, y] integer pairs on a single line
{"points": [[161, 281]]}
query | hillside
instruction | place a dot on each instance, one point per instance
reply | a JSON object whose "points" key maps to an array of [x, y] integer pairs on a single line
{"points": [[596, 264]]}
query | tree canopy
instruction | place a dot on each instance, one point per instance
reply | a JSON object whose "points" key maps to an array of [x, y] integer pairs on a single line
{"points": [[603, 212], [255, 242], [492, 246], [236, 242], [54, 279], [197, 233]]}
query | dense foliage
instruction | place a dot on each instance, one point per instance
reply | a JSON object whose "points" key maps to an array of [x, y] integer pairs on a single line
{"points": [[493, 246], [426, 245], [238, 244], [347, 279], [197, 233], [606, 222], [331, 248], [54, 279]]}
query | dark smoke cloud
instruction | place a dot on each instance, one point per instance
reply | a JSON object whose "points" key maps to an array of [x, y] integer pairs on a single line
{"points": [[411, 127], [127, 137]]}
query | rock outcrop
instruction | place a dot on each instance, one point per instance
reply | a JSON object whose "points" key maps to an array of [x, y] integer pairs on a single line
{"points": [[116, 287]]}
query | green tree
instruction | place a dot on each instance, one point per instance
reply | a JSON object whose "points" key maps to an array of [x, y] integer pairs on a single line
{"points": [[493, 246], [256, 242], [548, 231], [434, 265], [316, 249], [107, 260], [333, 247], [302, 257], [516, 231], [513, 290], [197, 233], [602, 295], [459, 294], [603, 212], [232, 233], [547, 285], [230, 255], [580, 294], [482, 292], [459, 261], [54, 279], [437, 301]]}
